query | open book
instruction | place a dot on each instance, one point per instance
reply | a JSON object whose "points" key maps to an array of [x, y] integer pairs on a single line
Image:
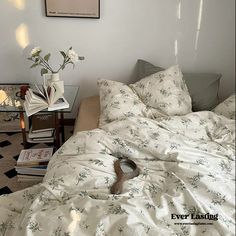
{"points": [[50, 98]]}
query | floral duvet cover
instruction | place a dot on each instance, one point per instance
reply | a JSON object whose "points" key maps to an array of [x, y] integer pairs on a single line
{"points": [[185, 187]]}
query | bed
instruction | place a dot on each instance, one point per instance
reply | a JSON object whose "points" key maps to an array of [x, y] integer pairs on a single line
{"points": [[185, 186]]}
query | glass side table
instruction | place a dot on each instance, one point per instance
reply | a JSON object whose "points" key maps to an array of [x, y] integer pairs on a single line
{"points": [[10, 101]]}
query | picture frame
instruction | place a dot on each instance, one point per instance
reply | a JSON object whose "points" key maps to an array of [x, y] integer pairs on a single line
{"points": [[73, 8]]}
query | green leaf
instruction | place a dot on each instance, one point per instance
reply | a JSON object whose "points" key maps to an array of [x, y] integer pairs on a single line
{"points": [[34, 65], [29, 58], [46, 58], [36, 54], [63, 54], [44, 71], [70, 48], [81, 58]]}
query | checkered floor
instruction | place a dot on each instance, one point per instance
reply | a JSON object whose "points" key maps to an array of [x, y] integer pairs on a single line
{"points": [[10, 147]]}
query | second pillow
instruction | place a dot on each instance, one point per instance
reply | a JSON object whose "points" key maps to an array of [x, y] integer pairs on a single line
{"points": [[165, 91]]}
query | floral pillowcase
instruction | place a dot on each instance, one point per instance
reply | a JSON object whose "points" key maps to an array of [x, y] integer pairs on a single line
{"points": [[162, 93], [165, 91], [226, 108], [117, 100]]}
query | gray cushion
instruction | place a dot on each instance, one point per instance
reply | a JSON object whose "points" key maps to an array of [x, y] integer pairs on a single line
{"points": [[145, 69], [203, 87]]}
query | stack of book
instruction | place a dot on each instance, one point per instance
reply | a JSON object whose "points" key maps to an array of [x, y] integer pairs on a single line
{"points": [[41, 130], [32, 164]]}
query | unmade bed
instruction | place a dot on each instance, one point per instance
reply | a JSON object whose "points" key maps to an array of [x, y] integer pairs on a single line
{"points": [[186, 181]]}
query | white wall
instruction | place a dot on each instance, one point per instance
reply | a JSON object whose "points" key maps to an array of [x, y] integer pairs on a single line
{"points": [[155, 30]]}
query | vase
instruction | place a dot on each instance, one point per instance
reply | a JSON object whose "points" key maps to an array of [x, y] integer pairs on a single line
{"points": [[53, 79]]}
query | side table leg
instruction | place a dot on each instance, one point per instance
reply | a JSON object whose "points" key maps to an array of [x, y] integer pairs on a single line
{"points": [[62, 128], [57, 130], [22, 126]]}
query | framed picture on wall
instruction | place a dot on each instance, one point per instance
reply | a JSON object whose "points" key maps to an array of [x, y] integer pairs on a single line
{"points": [[73, 8]]}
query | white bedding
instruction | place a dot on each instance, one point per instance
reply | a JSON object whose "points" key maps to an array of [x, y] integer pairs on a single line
{"points": [[187, 167]]}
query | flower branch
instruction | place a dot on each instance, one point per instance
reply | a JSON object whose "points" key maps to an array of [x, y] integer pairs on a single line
{"points": [[71, 57]]}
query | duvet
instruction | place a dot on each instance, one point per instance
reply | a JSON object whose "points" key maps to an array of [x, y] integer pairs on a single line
{"points": [[185, 187]]}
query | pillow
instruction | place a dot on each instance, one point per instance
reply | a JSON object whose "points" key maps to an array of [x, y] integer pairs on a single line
{"points": [[165, 91], [147, 98], [117, 100], [226, 108], [203, 87], [145, 69]]}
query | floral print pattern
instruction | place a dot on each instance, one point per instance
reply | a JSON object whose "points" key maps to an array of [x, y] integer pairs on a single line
{"points": [[186, 167], [226, 108], [117, 101], [165, 91]]}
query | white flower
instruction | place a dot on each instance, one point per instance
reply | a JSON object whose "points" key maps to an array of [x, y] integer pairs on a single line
{"points": [[35, 51], [73, 56]]}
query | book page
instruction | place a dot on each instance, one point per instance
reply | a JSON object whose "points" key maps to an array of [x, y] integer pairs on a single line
{"points": [[61, 103], [33, 109], [41, 92], [55, 94]]}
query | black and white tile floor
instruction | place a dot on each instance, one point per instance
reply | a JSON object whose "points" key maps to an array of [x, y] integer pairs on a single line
{"points": [[10, 147]]}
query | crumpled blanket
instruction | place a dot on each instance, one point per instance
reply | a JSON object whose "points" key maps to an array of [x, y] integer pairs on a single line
{"points": [[186, 185]]}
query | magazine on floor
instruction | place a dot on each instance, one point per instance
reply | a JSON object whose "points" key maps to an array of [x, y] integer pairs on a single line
{"points": [[34, 156]]}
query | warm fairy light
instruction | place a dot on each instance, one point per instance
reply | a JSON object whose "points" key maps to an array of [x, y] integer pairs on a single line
{"points": [[19, 4], [17, 103], [22, 36], [5, 100], [3, 96]]}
